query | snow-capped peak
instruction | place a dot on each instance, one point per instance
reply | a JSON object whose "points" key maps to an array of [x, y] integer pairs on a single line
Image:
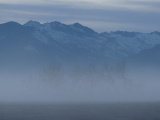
{"points": [[78, 25], [32, 23]]}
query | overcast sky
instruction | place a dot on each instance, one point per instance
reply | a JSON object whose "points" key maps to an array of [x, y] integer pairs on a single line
{"points": [[100, 15]]}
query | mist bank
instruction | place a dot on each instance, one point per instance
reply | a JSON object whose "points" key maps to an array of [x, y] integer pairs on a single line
{"points": [[60, 84]]}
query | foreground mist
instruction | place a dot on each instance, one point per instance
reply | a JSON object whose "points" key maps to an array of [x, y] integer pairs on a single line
{"points": [[80, 83]]}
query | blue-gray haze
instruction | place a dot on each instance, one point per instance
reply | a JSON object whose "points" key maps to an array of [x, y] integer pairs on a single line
{"points": [[60, 69]]}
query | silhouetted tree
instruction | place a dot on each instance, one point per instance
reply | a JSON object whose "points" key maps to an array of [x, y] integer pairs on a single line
{"points": [[91, 74], [54, 73]]}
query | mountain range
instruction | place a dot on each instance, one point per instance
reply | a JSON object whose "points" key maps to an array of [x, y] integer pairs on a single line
{"points": [[34, 43]]}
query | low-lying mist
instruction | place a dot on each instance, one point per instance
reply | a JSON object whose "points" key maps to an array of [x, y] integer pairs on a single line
{"points": [[58, 82]]}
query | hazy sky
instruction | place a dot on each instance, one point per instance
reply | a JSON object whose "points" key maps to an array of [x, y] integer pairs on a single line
{"points": [[100, 15]]}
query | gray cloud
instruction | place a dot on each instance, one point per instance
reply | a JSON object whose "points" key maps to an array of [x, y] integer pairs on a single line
{"points": [[98, 19]]}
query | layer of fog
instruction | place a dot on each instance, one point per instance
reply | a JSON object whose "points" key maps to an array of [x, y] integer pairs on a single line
{"points": [[56, 83]]}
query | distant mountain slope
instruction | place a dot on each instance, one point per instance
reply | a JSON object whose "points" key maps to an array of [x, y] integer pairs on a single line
{"points": [[46, 42], [147, 57]]}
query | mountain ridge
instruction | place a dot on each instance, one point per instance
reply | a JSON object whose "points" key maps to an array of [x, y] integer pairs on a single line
{"points": [[75, 42], [32, 23]]}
